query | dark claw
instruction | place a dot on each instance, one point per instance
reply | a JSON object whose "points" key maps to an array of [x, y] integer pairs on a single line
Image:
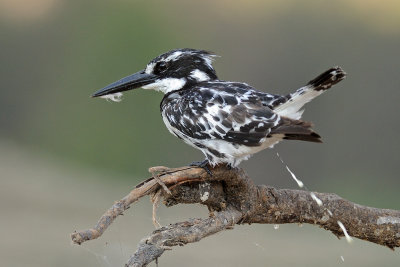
{"points": [[202, 164]]}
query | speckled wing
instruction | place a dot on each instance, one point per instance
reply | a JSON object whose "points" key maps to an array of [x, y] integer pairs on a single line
{"points": [[233, 112]]}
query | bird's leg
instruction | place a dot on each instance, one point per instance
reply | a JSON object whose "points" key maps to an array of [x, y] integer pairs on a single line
{"points": [[202, 164]]}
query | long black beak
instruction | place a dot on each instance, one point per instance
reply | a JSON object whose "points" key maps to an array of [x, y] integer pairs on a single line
{"points": [[130, 82]]}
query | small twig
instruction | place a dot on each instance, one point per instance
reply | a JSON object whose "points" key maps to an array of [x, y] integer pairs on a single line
{"points": [[155, 172], [156, 202]]}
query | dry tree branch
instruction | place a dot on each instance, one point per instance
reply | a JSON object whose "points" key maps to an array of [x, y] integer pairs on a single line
{"points": [[193, 230], [232, 198], [144, 188]]}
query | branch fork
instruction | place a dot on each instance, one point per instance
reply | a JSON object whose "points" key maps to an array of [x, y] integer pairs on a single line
{"points": [[232, 198]]}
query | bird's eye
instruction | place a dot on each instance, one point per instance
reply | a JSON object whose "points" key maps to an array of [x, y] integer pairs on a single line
{"points": [[161, 66]]}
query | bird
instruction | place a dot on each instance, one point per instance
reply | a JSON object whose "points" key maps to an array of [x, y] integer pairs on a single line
{"points": [[227, 121]]}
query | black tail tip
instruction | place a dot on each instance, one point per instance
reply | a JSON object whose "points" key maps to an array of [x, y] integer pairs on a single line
{"points": [[327, 79]]}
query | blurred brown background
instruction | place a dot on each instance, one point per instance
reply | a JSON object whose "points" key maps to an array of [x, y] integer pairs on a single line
{"points": [[64, 157]]}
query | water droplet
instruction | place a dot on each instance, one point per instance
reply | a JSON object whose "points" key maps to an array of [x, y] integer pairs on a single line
{"points": [[299, 183], [348, 237], [276, 226], [316, 199]]}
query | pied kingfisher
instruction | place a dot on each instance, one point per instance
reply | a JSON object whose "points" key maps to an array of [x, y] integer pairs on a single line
{"points": [[227, 121]]}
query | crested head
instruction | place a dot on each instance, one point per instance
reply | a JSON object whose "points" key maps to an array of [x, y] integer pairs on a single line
{"points": [[171, 71], [179, 68]]}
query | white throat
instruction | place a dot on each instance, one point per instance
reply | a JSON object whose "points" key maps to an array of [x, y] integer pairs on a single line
{"points": [[166, 85]]}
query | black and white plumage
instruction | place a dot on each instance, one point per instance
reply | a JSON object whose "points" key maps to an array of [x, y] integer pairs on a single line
{"points": [[227, 121]]}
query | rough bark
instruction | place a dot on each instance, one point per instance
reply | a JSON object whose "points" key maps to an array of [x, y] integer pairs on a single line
{"points": [[232, 198]]}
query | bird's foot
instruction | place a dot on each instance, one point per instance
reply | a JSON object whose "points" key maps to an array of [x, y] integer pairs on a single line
{"points": [[202, 164], [232, 168], [229, 167]]}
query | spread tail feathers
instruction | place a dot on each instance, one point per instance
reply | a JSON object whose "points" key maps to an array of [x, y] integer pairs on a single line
{"points": [[296, 130], [291, 108]]}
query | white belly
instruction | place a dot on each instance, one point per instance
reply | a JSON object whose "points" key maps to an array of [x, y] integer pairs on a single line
{"points": [[234, 154]]}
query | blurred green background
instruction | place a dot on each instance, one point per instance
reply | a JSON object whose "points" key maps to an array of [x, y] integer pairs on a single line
{"points": [[66, 157]]}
